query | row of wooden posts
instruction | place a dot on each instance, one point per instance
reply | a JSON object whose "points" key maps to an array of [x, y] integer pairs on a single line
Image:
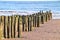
{"points": [[13, 26]]}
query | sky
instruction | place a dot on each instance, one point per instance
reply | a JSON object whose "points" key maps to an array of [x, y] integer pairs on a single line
{"points": [[29, 0]]}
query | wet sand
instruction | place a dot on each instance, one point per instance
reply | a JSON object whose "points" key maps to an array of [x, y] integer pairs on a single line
{"points": [[48, 31]]}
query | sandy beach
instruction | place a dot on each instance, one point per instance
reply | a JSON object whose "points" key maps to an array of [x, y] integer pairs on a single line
{"points": [[48, 31]]}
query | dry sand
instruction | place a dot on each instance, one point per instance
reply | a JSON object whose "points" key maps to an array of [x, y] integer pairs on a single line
{"points": [[48, 31]]}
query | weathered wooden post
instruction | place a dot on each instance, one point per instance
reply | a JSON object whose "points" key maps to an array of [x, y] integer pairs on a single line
{"points": [[47, 15], [1, 27], [13, 26], [3, 21], [32, 22], [20, 26], [23, 22], [50, 14], [37, 19], [33, 19], [0, 18], [39, 16], [26, 23], [39, 13], [1, 31], [14, 29], [42, 17], [10, 26], [6, 26], [16, 26]]}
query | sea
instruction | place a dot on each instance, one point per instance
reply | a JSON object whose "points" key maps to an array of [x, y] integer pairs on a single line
{"points": [[35, 6]]}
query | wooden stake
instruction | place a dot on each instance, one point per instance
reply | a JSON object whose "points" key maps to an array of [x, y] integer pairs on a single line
{"points": [[9, 26], [20, 27], [16, 26], [12, 27], [6, 24], [26, 24]]}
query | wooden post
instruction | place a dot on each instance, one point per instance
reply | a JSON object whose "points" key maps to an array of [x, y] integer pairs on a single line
{"points": [[12, 27], [26, 23], [1, 27], [0, 19], [33, 19], [9, 26], [6, 26], [20, 27], [3, 24], [42, 18], [37, 19], [50, 14], [23, 22], [1, 31], [46, 17], [16, 26], [29, 23], [32, 22]]}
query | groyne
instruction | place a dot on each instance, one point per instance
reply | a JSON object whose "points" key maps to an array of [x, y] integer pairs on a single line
{"points": [[12, 26]]}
